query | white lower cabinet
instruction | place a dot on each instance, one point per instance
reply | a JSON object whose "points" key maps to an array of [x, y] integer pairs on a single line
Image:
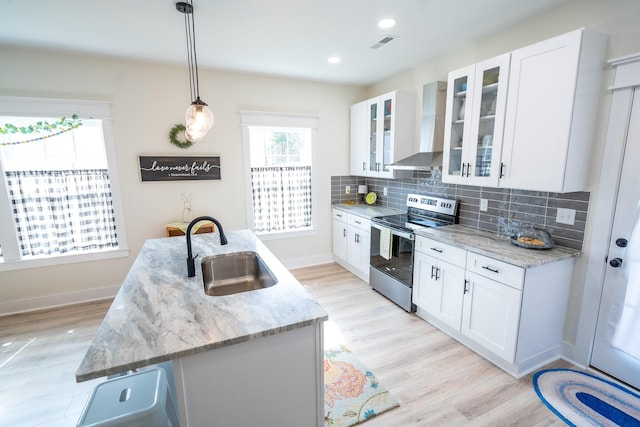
{"points": [[491, 313], [510, 315], [438, 288], [340, 234], [351, 242]]}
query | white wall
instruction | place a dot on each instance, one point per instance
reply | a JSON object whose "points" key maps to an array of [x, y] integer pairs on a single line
{"points": [[619, 19], [147, 100]]}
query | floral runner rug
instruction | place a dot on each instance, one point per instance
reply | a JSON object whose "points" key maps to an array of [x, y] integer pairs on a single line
{"points": [[352, 394]]}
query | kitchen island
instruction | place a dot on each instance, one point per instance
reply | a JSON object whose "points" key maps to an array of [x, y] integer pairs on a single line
{"points": [[252, 358]]}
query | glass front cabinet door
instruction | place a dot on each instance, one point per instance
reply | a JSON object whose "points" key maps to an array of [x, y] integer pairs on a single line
{"points": [[391, 131], [476, 101], [381, 134]]}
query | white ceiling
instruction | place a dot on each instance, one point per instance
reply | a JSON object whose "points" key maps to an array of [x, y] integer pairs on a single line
{"points": [[291, 38]]}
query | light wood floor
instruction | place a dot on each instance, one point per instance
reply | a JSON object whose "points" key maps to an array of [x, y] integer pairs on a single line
{"points": [[438, 381]]}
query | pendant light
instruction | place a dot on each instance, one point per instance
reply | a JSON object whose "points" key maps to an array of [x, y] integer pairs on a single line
{"points": [[198, 118]]}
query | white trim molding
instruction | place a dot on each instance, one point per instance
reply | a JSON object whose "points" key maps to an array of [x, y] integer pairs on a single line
{"points": [[57, 300], [627, 78]]}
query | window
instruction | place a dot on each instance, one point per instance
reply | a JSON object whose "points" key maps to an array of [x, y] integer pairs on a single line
{"points": [[58, 195], [280, 173]]}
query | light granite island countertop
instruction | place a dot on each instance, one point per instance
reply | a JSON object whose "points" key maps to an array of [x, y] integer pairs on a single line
{"points": [[160, 314], [495, 246]]}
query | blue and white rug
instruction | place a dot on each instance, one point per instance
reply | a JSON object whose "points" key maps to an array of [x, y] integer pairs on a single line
{"points": [[582, 399]]}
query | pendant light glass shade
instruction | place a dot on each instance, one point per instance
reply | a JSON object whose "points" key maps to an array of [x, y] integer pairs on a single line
{"points": [[199, 117], [194, 135]]}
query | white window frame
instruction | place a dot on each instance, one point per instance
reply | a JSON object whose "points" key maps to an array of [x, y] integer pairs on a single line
{"points": [[286, 120], [45, 107]]}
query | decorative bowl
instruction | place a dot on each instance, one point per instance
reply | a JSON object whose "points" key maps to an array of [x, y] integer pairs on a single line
{"points": [[535, 238]]}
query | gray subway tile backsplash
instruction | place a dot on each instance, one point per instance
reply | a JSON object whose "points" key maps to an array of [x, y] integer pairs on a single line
{"points": [[508, 210]]}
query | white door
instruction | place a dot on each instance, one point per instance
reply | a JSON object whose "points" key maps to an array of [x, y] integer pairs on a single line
{"points": [[616, 348]]}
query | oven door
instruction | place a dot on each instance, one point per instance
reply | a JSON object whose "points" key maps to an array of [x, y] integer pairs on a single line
{"points": [[392, 253]]}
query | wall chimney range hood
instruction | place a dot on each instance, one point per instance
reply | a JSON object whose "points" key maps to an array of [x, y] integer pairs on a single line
{"points": [[429, 157]]}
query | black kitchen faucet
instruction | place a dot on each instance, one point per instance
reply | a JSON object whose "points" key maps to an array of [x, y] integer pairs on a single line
{"points": [[191, 260]]}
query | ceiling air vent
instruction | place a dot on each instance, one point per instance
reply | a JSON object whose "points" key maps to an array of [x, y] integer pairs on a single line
{"points": [[382, 42]]}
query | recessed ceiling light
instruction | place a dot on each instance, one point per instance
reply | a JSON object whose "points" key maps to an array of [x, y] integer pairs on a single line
{"points": [[386, 23], [334, 60]]}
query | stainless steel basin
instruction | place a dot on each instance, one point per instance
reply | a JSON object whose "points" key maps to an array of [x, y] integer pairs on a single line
{"points": [[235, 273]]}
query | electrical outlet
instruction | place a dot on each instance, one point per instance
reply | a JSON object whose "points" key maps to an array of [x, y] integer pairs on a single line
{"points": [[566, 216], [484, 205], [347, 189], [384, 191]]}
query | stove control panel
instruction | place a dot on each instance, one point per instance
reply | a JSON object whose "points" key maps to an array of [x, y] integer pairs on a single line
{"points": [[433, 204]]}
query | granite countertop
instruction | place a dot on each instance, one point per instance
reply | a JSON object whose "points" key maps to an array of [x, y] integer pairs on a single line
{"points": [[494, 246], [160, 314], [367, 211]]}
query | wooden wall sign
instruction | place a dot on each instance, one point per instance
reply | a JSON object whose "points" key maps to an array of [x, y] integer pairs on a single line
{"points": [[179, 168]]}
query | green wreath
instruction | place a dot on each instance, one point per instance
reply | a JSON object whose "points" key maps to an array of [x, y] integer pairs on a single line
{"points": [[173, 137]]}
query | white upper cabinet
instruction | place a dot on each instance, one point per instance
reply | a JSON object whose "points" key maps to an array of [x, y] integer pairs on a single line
{"points": [[551, 112], [476, 99], [359, 139], [382, 131], [538, 134]]}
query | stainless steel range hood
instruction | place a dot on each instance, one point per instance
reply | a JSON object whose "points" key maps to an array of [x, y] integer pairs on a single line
{"points": [[429, 157]]}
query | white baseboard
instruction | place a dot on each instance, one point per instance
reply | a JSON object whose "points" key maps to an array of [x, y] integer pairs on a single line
{"points": [[568, 353], [58, 300], [308, 261]]}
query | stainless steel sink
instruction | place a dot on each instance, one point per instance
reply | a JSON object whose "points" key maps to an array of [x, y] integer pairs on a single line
{"points": [[235, 273]]}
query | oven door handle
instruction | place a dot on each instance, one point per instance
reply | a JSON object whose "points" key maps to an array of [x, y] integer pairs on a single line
{"points": [[394, 232]]}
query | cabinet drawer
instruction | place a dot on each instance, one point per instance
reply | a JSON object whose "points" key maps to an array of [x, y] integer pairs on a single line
{"points": [[496, 270], [442, 251], [359, 222], [339, 215]]}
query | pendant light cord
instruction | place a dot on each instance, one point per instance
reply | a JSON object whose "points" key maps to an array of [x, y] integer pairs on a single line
{"points": [[192, 59]]}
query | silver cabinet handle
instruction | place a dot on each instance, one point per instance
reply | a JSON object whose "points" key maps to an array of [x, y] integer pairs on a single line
{"points": [[344, 232], [466, 286], [468, 169], [437, 273], [501, 170], [491, 269], [357, 222], [462, 172], [437, 250], [364, 166], [433, 267]]}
